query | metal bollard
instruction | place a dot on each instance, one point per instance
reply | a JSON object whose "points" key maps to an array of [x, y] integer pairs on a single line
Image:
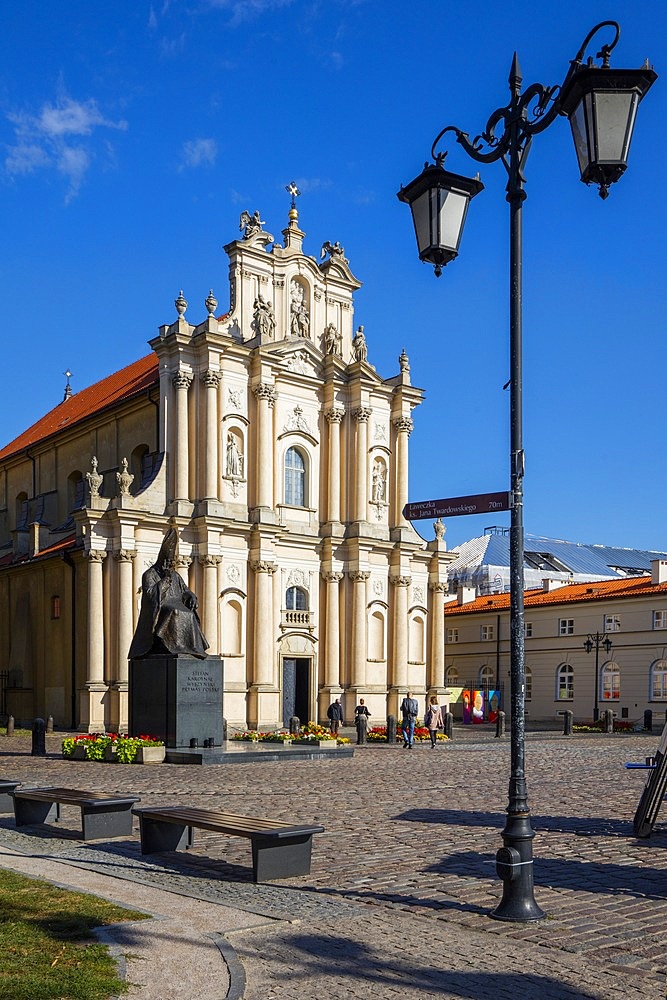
{"points": [[608, 721], [391, 730], [449, 725], [648, 721], [49, 724], [500, 724], [38, 738], [295, 725], [568, 720], [10, 725]]}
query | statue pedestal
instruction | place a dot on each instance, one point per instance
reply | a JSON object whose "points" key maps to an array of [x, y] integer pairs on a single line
{"points": [[176, 699]]}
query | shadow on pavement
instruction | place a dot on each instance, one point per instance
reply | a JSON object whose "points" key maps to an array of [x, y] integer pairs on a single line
{"points": [[370, 970], [584, 825]]}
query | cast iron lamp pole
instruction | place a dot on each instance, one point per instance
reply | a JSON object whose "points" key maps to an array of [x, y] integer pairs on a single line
{"points": [[601, 104], [595, 641]]}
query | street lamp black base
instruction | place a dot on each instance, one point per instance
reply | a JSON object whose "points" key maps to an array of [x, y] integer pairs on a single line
{"points": [[514, 865]]}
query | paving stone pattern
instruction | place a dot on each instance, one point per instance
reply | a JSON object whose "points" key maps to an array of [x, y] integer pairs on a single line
{"points": [[404, 877]]}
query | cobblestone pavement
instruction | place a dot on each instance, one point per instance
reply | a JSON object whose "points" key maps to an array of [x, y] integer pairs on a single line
{"points": [[403, 879]]}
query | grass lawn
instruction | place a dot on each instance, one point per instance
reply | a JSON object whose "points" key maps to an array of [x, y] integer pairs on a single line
{"points": [[47, 950]]}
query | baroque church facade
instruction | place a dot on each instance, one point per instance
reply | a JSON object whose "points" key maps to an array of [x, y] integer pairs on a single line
{"points": [[269, 440]]}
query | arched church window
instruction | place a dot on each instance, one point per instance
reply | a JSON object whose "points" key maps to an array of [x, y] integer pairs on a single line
{"points": [[296, 599], [295, 478]]}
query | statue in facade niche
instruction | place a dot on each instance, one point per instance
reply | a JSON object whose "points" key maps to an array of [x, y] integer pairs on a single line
{"points": [[379, 483], [168, 619], [234, 459], [265, 321], [359, 347], [300, 320]]}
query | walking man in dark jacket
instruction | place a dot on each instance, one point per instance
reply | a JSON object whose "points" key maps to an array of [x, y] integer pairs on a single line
{"points": [[409, 709], [335, 716]]}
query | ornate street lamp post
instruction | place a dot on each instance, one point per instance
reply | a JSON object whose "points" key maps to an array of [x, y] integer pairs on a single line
{"points": [[594, 642], [601, 104]]}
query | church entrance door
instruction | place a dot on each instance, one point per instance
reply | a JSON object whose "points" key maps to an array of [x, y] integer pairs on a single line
{"points": [[296, 689]]}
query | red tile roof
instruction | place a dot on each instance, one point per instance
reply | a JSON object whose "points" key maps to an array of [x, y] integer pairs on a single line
{"points": [[128, 382], [12, 558], [570, 593]]}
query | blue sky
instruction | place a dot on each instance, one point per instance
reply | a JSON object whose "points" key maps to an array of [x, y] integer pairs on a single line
{"points": [[133, 134]]}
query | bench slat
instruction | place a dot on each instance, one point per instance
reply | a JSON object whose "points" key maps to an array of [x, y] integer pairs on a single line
{"points": [[72, 797], [221, 822]]}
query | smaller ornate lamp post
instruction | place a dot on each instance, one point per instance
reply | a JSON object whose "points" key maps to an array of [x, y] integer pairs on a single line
{"points": [[594, 642]]}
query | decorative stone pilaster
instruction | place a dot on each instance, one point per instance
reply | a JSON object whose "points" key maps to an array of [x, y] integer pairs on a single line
{"points": [[361, 415], [333, 638], [403, 426], [265, 395], [359, 628], [334, 417], [401, 585], [211, 380], [436, 680], [263, 625], [92, 694], [209, 616], [181, 382], [182, 565]]}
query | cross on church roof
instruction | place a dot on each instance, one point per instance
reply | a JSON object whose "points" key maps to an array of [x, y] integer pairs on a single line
{"points": [[293, 190]]}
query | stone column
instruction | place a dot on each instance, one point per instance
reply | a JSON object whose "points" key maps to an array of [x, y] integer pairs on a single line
{"points": [[263, 624], [182, 566], [124, 559], [209, 610], [401, 584], [359, 630], [266, 397], [437, 678], [92, 696], [119, 713], [211, 380], [181, 382], [333, 638], [334, 417], [361, 415], [403, 427]]}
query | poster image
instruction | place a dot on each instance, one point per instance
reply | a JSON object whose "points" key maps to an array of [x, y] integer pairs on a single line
{"points": [[466, 698], [493, 703], [478, 707]]}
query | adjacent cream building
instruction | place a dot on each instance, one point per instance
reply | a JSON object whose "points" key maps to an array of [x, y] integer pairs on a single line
{"points": [[269, 439], [559, 618]]}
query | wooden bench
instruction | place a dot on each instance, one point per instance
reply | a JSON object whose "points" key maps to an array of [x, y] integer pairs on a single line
{"points": [[101, 815], [6, 789], [278, 850]]}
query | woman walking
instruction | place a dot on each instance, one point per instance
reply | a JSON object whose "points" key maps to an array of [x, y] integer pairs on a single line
{"points": [[433, 719]]}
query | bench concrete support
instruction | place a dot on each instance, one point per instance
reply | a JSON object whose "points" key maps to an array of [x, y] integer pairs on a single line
{"points": [[104, 821], [29, 811], [6, 800], [157, 837], [285, 857]]}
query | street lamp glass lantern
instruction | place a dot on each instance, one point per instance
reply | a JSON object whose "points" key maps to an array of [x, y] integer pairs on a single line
{"points": [[439, 202], [601, 104]]}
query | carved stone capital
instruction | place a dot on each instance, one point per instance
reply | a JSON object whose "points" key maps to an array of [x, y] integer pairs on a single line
{"points": [[265, 391], [125, 555], [182, 562], [362, 413], [438, 587], [210, 562], [210, 379], [335, 414], [358, 575], [182, 380], [404, 424], [95, 555], [262, 566], [332, 577], [400, 581]]}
